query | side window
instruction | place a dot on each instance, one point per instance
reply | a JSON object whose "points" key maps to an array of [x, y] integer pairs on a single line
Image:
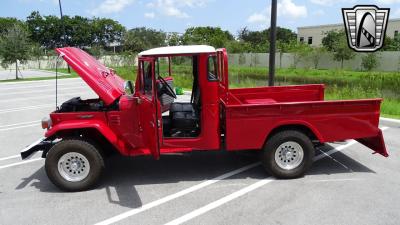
{"points": [[212, 70], [147, 86]]}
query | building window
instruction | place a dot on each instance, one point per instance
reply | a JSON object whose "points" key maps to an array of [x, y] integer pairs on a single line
{"points": [[302, 39], [310, 40], [396, 33]]}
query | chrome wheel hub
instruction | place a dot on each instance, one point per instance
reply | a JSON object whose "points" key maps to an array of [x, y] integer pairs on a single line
{"points": [[73, 167], [289, 155]]}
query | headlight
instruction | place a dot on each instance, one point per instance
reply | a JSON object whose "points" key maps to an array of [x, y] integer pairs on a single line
{"points": [[46, 122]]}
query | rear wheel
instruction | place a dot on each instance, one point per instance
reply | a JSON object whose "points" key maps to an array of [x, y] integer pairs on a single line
{"points": [[74, 165], [288, 154]]}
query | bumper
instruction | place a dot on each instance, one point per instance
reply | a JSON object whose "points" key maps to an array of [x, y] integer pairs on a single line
{"points": [[42, 144]]}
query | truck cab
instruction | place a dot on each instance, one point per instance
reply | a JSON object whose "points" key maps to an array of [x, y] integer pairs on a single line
{"points": [[146, 117]]}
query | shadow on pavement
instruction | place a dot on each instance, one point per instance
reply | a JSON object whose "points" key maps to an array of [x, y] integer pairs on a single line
{"points": [[124, 174]]}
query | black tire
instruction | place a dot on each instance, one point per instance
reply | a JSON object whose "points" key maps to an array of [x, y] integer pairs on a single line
{"points": [[271, 147], [83, 147]]}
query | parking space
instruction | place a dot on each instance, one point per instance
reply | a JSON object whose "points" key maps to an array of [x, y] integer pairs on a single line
{"points": [[346, 185]]}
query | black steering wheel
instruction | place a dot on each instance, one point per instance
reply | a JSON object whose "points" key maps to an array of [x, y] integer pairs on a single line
{"points": [[169, 90]]}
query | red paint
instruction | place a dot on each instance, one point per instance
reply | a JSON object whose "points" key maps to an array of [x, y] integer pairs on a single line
{"points": [[101, 79], [245, 117]]}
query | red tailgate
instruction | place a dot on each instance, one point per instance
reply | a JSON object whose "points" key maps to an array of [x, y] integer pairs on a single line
{"points": [[101, 79]]}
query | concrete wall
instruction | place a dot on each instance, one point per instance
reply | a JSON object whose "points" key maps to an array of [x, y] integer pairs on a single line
{"points": [[50, 62], [388, 61]]}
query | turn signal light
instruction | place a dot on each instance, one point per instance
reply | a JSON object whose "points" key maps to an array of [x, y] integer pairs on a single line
{"points": [[46, 123]]}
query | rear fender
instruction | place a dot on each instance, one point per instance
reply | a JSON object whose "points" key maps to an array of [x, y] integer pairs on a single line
{"points": [[376, 143], [71, 125]]}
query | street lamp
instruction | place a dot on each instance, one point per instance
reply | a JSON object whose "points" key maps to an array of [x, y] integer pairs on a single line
{"points": [[63, 30], [272, 43]]}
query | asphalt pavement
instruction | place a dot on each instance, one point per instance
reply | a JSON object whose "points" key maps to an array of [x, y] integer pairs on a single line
{"points": [[346, 185], [24, 74]]}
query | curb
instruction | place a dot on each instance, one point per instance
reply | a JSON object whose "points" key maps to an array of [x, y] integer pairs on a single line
{"points": [[390, 120]]}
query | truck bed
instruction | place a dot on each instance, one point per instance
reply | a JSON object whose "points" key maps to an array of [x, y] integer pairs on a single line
{"points": [[253, 113]]}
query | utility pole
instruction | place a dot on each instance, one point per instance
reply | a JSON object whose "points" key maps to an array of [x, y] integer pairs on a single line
{"points": [[272, 43], [63, 30]]}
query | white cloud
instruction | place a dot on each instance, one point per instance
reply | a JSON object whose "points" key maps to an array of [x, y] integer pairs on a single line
{"points": [[111, 6], [286, 8], [388, 1], [150, 15], [175, 8], [258, 18], [290, 9]]}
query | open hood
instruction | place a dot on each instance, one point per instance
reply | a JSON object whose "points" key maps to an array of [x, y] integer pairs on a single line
{"points": [[101, 79]]}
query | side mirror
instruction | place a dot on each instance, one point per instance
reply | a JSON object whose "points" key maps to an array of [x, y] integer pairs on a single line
{"points": [[128, 87]]}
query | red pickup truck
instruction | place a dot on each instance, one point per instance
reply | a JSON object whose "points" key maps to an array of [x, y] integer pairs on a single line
{"points": [[283, 123]]}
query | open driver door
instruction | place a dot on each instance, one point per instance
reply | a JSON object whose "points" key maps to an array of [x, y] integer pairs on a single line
{"points": [[149, 111]]}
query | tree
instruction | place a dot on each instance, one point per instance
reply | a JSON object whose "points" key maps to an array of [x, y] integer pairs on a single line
{"points": [[342, 51], [14, 47], [329, 41], [336, 42], [316, 55], [79, 31], [8, 22], [213, 36], [259, 40], [139, 39], [174, 39], [370, 61], [106, 31], [36, 51], [391, 44], [300, 51]]}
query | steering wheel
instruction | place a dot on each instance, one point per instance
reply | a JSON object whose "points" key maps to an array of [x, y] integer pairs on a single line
{"points": [[169, 89]]}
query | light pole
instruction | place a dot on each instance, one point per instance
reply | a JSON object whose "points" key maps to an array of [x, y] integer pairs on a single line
{"points": [[64, 35], [272, 44]]}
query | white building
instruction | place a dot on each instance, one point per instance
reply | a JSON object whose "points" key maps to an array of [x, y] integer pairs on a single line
{"points": [[313, 35]]}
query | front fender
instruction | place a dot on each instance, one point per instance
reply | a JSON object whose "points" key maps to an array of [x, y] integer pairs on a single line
{"points": [[69, 125]]}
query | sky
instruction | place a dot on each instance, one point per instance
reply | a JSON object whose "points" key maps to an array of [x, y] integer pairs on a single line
{"points": [[177, 15]]}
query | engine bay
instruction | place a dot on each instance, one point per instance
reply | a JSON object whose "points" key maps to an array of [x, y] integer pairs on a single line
{"points": [[76, 104]]}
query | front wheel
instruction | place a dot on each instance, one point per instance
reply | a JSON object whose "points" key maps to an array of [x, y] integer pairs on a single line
{"points": [[74, 165], [288, 154]]}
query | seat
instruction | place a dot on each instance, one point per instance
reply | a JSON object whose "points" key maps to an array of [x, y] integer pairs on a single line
{"points": [[181, 107], [183, 116]]}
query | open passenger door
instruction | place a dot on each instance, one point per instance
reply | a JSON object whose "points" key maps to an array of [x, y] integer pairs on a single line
{"points": [[148, 107]]}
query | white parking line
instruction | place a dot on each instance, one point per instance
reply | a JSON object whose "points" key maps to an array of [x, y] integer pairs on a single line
{"points": [[42, 90], [10, 157], [20, 163], [241, 192], [16, 83], [176, 195], [40, 97], [200, 186], [39, 86], [26, 108], [19, 125], [220, 202]]}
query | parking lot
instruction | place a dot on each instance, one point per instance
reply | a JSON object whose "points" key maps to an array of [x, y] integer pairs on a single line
{"points": [[346, 185]]}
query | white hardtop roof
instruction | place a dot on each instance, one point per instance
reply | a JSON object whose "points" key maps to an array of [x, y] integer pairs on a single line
{"points": [[179, 50]]}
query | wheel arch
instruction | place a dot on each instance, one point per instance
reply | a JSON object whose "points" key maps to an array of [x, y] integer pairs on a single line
{"points": [[307, 129], [96, 133]]}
